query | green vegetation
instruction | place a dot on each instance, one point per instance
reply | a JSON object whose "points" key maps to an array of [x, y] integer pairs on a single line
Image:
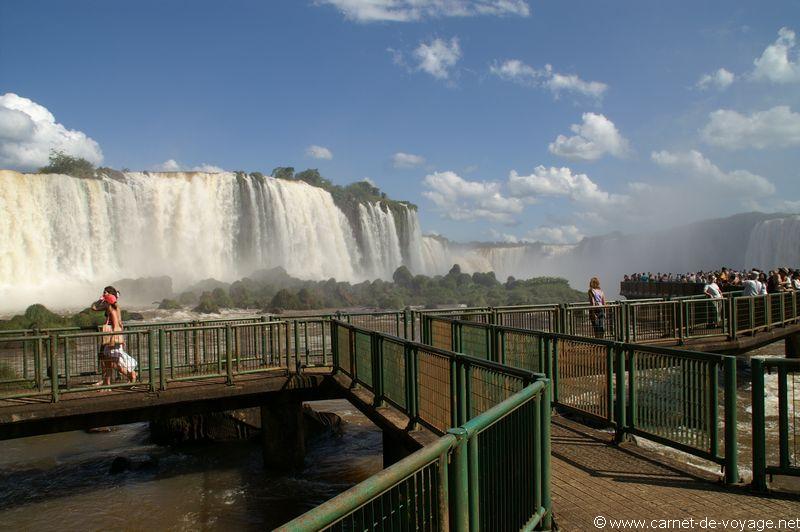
{"points": [[39, 317], [275, 289], [61, 163]]}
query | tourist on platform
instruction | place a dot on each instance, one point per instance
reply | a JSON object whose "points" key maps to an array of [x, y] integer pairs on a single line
{"points": [[712, 290], [114, 355], [597, 316], [796, 280], [774, 282], [752, 286], [762, 278]]}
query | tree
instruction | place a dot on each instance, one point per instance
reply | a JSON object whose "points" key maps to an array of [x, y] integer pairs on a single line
{"points": [[283, 172], [61, 163], [402, 276]]}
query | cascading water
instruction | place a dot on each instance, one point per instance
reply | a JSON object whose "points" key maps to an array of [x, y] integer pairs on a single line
{"points": [[61, 238], [382, 252], [774, 243]]}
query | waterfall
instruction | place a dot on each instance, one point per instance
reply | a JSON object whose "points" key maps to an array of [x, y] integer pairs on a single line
{"points": [[774, 243], [382, 254], [62, 237]]}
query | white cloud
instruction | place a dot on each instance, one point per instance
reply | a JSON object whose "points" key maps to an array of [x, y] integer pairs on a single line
{"points": [[438, 57], [459, 199], [171, 165], [700, 168], [407, 160], [774, 128], [518, 72], [412, 10], [28, 132], [319, 152], [775, 63], [721, 80], [560, 182], [595, 137]]}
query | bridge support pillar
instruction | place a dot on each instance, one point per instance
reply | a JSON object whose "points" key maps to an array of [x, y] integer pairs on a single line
{"points": [[283, 433], [394, 449], [793, 346]]}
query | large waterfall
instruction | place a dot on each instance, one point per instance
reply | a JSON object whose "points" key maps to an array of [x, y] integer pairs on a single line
{"points": [[775, 242], [62, 236]]}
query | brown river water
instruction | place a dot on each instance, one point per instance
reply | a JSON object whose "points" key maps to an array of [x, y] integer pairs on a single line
{"points": [[63, 482]]}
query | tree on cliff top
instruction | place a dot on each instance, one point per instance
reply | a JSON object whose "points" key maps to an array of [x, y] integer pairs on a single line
{"points": [[61, 163]]}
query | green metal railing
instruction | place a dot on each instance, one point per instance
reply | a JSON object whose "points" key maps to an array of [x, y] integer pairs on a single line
{"points": [[778, 454], [469, 479], [670, 396], [70, 361]]}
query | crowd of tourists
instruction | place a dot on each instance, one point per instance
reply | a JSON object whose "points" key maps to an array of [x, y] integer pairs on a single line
{"points": [[753, 282]]}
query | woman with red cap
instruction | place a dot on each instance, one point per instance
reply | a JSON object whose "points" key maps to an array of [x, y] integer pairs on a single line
{"points": [[114, 355]]}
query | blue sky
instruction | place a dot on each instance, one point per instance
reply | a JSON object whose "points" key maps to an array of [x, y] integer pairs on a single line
{"points": [[450, 104]]}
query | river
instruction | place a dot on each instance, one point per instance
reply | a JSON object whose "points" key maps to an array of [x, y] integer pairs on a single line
{"points": [[63, 481]]}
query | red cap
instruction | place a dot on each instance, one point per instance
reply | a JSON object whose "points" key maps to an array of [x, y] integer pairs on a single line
{"points": [[110, 299]]}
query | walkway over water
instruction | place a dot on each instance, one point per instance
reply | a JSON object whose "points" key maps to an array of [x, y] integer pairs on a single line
{"points": [[475, 392]]}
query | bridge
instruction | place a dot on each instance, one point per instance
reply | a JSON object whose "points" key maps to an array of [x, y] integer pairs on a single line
{"points": [[465, 399]]}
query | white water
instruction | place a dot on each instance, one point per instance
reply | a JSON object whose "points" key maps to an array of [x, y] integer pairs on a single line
{"points": [[775, 243], [61, 238]]}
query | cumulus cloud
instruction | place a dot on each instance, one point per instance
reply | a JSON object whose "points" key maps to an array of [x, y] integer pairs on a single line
{"points": [[319, 152], [407, 160], [459, 199], [701, 169], [774, 128], [516, 71], [721, 80], [413, 10], [560, 182], [595, 137], [776, 63], [29, 132], [438, 57], [171, 165]]}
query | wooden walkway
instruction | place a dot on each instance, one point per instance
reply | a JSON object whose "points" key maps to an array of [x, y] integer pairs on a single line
{"points": [[595, 480]]}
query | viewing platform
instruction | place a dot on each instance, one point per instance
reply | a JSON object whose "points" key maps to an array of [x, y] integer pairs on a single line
{"points": [[465, 399]]}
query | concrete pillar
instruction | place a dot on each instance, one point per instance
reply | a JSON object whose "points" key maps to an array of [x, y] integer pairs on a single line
{"points": [[283, 434], [394, 449], [793, 346]]}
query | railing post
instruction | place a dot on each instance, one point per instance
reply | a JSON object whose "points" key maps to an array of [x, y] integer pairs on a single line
{"points": [[53, 368], [545, 416], [619, 392], [37, 363], [759, 425], [553, 361], [151, 363], [406, 314], [296, 337], [228, 354], [334, 345], [66, 364], [162, 376], [631, 411], [459, 467], [783, 417], [681, 321], [410, 386], [731, 447], [377, 369]]}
